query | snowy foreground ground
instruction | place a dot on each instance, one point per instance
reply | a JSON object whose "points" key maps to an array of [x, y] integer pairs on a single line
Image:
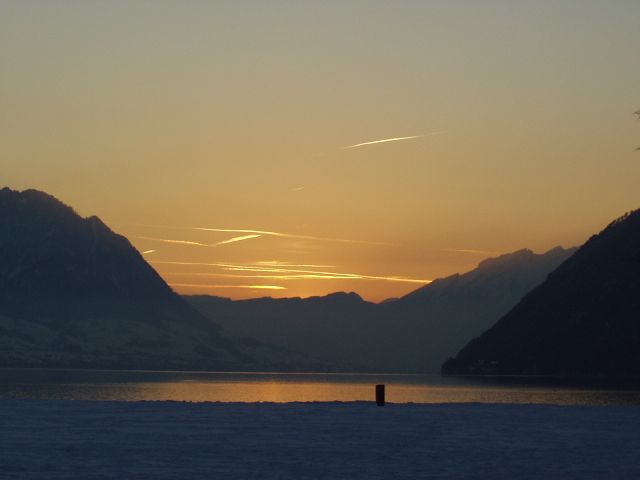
{"points": [[176, 440]]}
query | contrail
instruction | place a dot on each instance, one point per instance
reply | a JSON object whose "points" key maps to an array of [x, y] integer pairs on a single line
{"points": [[393, 139], [249, 233], [276, 263], [287, 235], [185, 242], [288, 272], [238, 239], [266, 287], [307, 276]]}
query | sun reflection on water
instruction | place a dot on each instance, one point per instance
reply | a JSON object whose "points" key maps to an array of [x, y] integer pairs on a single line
{"points": [[284, 388]]}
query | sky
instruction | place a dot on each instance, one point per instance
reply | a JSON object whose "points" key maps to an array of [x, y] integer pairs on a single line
{"points": [[239, 145]]}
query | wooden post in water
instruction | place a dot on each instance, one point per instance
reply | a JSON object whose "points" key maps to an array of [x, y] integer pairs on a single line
{"points": [[380, 395]]}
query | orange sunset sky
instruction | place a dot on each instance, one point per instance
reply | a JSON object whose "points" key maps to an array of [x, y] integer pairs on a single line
{"points": [[238, 144]]}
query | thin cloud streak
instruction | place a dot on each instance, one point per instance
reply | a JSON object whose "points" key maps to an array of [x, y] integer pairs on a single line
{"points": [[311, 273], [265, 287], [328, 276], [272, 277], [289, 235], [186, 242], [249, 232], [392, 140], [276, 263], [238, 239], [167, 240]]}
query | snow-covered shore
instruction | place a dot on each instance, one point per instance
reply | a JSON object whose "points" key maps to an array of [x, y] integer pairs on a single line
{"points": [[178, 440]]}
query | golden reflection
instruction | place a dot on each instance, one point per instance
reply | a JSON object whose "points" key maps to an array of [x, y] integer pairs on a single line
{"points": [[283, 391], [294, 387]]}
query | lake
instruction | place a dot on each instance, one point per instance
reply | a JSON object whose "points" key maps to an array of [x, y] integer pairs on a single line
{"points": [[285, 387]]}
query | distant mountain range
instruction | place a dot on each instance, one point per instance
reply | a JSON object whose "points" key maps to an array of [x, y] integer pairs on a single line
{"points": [[413, 334], [75, 294], [583, 320]]}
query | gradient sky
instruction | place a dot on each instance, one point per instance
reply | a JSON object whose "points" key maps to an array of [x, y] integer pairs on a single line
{"points": [[186, 125]]}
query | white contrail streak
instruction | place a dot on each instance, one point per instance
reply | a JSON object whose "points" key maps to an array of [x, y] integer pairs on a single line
{"points": [[392, 140], [289, 271], [266, 287], [238, 239], [249, 233], [186, 242], [182, 242], [307, 276], [288, 235], [276, 263]]}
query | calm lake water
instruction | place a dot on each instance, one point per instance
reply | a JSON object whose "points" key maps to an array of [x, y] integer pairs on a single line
{"points": [[283, 387]]}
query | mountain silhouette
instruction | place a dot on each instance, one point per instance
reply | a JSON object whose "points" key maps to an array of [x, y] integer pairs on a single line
{"points": [[75, 294], [584, 320], [334, 327], [413, 334]]}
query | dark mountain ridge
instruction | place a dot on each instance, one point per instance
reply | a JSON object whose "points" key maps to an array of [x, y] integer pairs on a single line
{"points": [[75, 294], [334, 327], [583, 320], [54, 265], [517, 271]]}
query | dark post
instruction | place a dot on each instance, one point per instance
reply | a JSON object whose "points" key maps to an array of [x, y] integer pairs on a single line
{"points": [[380, 395]]}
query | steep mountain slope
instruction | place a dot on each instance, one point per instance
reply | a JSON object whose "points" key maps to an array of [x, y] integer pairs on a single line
{"points": [[438, 319], [583, 320], [414, 334], [75, 294]]}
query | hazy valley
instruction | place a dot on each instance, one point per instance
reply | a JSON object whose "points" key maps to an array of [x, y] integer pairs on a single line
{"points": [[413, 334]]}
